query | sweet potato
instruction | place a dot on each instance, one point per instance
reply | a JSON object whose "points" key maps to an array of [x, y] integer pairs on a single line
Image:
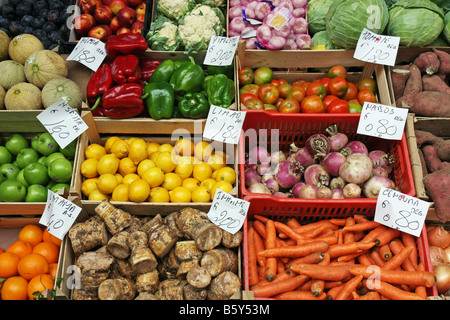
{"points": [[444, 59], [431, 104], [424, 137], [444, 164], [437, 185], [423, 163], [443, 149], [431, 158], [413, 86], [399, 76], [434, 83], [427, 62]]}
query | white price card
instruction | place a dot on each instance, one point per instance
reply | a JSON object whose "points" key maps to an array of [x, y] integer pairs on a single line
{"points": [[228, 212], [89, 52], [224, 125], [401, 211], [381, 121], [59, 214], [63, 122], [376, 48], [221, 51]]}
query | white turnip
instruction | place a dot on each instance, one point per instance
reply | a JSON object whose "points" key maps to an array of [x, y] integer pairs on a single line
{"points": [[317, 175], [337, 193], [251, 176], [324, 193], [357, 168], [259, 187], [270, 183], [351, 191], [287, 173], [383, 163], [371, 188], [337, 182], [332, 162], [277, 156], [308, 191]]}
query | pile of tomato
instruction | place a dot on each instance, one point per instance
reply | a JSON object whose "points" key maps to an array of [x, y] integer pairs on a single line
{"points": [[333, 93]]}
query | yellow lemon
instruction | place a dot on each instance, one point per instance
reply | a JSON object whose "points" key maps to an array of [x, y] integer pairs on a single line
{"points": [[184, 167], [152, 147], [171, 181], [180, 194], [138, 150], [208, 183], [119, 178], [222, 185], [144, 165], [153, 176], [201, 194], [94, 151], [120, 148], [96, 195], [216, 162], [165, 147], [106, 183], [184, 147], [201, 171], [139, 191], [159, 194], [109, 163], [130, 140], [226, 174], [109, 143], [190, 183], [214, 174], [89, 168], [88, 185], [120, 193], [154, 155], [129, 178], [202, 150], [165, 161], [126, 166]]}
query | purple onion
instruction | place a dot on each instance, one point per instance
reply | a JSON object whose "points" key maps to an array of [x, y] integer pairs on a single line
{"points": [[296, 189], [287, 173], [317, 175], [259, 187], [259, 155], [318, 145], [357, 147], [338, 140], [308, 191], [383, 163], [371, 188], [337, 193], [332, 162], [351, 191], [324, 193], [302, 156], [251, 176]]}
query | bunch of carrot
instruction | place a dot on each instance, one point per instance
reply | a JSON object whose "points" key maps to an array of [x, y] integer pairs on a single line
{"points": [[336, 259]]}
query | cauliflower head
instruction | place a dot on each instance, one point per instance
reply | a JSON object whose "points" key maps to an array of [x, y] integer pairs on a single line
{"points": [[175, 9], [163, 35]]}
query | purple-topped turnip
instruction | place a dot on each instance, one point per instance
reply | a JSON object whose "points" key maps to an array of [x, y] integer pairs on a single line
{"points": [[383, 163], [351, 191], [357, 147], [276, 157], [258, 187], [337, 193], [251, 176], [332, 162], [296, 189], [301, 155], [338, 140], [317, 175], [308, 191], [357, 168], [371, 188], [258, 155], [337, 182], [318, 145], [324, 193], [287, 173], [270, 183]]}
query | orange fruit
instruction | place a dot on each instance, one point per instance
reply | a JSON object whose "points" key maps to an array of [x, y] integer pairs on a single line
{"points": [[48, 237], [15, 288], [52, 268], [49, 250], [32, 265], [20, 247], [8, 264], [31, 233], [39, 283], [1, 250]]}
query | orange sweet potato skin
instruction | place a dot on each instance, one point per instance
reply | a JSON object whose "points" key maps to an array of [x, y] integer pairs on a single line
{"points": [[431, 104], [444, 58], [413, 86], [399, 76], [431, 158], [434, 83], [427, 62]]}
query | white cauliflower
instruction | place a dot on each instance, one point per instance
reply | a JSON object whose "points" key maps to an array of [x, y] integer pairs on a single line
{"points": [[163, 35], [175, 9]]}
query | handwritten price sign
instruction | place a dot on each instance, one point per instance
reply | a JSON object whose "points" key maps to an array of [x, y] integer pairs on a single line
{"points": [[375, 48], [401, 211], [381, 121], [62, 122], [228, 212], [89, 52], [224, 125], [221, 51]]}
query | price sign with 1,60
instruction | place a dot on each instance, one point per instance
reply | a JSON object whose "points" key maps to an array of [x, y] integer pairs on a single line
{"points": [[376, 48], [89, 52], [221, 51], [224, 125]]}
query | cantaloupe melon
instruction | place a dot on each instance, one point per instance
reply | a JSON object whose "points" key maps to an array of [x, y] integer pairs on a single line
{"points": [[58, 88], [2, 98], [23, 96], [4, 45], [11, 73], [21, 46], [44, 65]]}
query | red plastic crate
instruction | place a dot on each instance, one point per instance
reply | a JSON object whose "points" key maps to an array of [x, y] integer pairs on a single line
{"points": [[281, 210], [297, 128]]}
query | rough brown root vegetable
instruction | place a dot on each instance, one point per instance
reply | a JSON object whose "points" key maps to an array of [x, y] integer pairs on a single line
{"points": [[437, 185], [434, 83], [171, 289], [118, 245], [427, 62], [143, 260], [219, 260], [230, 240], [224, 286], [88, 235], [147, 282], [431, 104], [413, 86], [431, 158], [115, 219], [424, 137], [117, 289], [444, 59], [95, 267], [161, 240], [198, 277], [192, 293], [399, 76]]}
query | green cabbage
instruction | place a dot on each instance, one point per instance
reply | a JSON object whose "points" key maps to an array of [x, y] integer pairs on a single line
{"points": [[346, 19], [317, 11], [446, 31], [417, 22], [321, 41]]}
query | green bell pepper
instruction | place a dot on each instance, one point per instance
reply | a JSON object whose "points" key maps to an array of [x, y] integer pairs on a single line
{"points": [[188, 77], [163, 71], [194, 105], [227, 70], [220, 91], [160, 99]]}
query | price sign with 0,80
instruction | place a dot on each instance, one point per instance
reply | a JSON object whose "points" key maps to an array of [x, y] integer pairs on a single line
{"points": [[221, 51]]}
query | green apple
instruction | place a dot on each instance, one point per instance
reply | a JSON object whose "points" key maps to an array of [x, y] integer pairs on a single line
{"points": [[60, 170], [5, 155], [21, 178], [35, 141], [9, 171], [12, 191], [42, 160], [70, 149], [53, 156], [55, 188], [36, 173], [16, 142], [26, 156], [47, 144], [36, 193]]}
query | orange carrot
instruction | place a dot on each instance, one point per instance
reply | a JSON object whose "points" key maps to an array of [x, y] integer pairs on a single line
{"points": [[387, 236], [311, 226], [397, 259], [391, 292], [261, 218], [333, 292], [340, 236], [385, 252], [329, 272], [421, 290], [314, 257], [253, 277], [330, 239], [260, 228], [271, 263], [410, 241], [396, 246], [363, 226], [317, 231], [365, 259], [286, 274], [293, 223], [372, 235], [318, 285], [360, 218], [376, 257], [337, 250], [371, 295], [288, 231], [296, 251], [349, 236], [259, 246], [274, 288], [339, 222], [299, 295], [348, 287]]}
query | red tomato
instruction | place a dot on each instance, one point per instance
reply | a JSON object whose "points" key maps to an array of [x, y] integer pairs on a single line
{"points": [[297, 93], [254, 104], [289, 105], [244, 97], [367, 83], [277, 82], [268, 93], [316, 88], [352, 92], [338, 86], [325, 82], [284, 89], [246, 75], [300, 83], [337, 71], [338, 106], [252, 88], [366, 95], [328, 99], [312, 104]]}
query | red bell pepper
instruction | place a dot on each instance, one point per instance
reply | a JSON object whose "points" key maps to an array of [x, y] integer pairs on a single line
{"points": [[100, 82], [126, 69], [148, 65], [123, 101], [124, 44]]}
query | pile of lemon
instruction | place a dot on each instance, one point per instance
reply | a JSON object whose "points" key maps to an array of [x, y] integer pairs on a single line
{"points": [[136, 170]]}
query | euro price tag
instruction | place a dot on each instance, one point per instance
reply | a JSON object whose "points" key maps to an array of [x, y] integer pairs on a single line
{"points": [[376, 48], [224, 125], [221, 51], [90, 52]]}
